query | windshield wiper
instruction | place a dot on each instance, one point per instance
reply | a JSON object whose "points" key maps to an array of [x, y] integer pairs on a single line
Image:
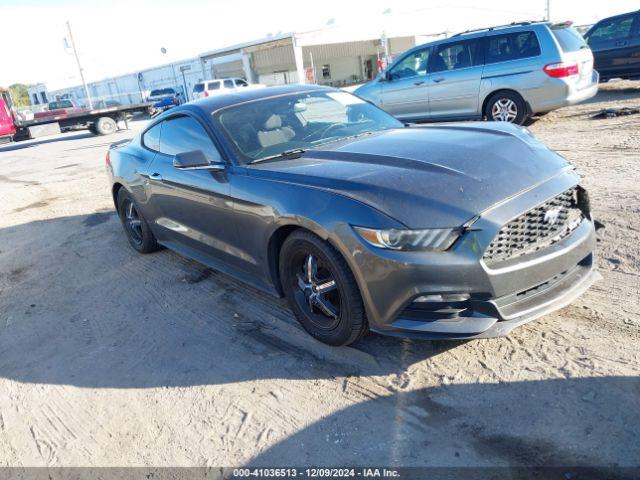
{"points": [[350, 137], [293, 153]]}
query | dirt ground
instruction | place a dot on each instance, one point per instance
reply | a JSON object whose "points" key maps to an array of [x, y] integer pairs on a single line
{"points": [[108, 357]]}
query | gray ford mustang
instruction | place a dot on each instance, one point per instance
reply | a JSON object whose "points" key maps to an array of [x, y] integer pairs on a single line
{"points": [[447, 231]]}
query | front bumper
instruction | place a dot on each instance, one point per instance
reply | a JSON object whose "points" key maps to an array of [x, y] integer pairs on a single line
{"points": [[496, 317], [501, 298]]}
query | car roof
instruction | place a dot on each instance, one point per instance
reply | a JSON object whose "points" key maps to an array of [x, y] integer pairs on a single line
{"points": [[481, 32], [211, 104]]}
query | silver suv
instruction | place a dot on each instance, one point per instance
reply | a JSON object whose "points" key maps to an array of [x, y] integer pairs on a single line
{"points": [[502, 73]]}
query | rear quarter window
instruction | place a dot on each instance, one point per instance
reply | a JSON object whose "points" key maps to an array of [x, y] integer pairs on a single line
{"points": [[198, 88], [569, 39], [511, 46], [151, 138]]}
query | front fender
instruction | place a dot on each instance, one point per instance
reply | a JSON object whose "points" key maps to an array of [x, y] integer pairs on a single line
{"points": [[264, 207]]}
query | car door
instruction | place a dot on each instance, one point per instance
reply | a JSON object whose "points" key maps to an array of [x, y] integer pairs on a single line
{"points": [[455, 72], [195, 210], [213, 87], [404, 89], [228, 85], [614, 48], [633, 68]]}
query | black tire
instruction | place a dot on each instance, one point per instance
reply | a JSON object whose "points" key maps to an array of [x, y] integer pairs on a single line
{"points": [[139, 235], [92, 128], [348, 322], [509, 105], [105, 126]]}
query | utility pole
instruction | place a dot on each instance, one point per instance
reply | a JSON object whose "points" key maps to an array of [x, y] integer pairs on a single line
{"points": [[548, 12], [75, 52]]}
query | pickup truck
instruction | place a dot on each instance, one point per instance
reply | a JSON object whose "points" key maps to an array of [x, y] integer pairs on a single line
{"points": [[59, 109]]}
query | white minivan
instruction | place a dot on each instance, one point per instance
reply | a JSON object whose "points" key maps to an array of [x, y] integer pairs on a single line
{"points": [[207, 88]]}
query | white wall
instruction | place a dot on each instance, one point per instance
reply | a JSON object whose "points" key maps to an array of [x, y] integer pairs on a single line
{"points": [[127, 89]]}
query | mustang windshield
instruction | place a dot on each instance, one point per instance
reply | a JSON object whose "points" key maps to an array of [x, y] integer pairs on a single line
{"points": [[279, 125]]}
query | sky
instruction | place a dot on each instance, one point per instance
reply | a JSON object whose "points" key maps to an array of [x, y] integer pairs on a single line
{"points": [[116, 36]]}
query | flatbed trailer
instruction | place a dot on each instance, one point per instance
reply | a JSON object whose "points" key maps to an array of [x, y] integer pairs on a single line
{"points": [[100, 121]]}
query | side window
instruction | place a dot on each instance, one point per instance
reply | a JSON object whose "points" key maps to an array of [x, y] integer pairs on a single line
{"points": [[184, 134], [511, 46], [410, 66], [613, 29], [214, 86], [452, 56], [240, 82], [228, 84], [151, 138]]}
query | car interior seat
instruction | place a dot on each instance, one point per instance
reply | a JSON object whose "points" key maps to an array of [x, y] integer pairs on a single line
{"points": [[437, 63], [462, 59], [274, 133]]}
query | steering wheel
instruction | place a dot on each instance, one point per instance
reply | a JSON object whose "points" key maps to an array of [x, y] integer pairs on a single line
{"points": [[333, 126], [320, 134]]}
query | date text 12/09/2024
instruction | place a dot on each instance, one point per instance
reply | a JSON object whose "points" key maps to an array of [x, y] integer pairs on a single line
{"points": [[314, 473]]}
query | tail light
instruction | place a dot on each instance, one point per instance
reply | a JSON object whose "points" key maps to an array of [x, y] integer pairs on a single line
{"points": [[206, 93], [561, 69], [108, 159]]}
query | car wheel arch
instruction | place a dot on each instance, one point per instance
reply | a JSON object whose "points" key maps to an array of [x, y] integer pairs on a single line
{"points": [[500, 90], [114, 193], [276, 240]]}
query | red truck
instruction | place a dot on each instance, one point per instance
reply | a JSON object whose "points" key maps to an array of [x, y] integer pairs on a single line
{"points": [[100, 121], [59, 109]]}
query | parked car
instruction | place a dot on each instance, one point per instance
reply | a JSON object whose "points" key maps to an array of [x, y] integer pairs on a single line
{"points": [[163, 98], [615, 43], [502, 73], [208, 88], [445, 231]]}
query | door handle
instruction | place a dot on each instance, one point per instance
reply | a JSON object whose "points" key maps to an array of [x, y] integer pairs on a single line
{"points": [[419, 82], [622, 43], [438, 80]]}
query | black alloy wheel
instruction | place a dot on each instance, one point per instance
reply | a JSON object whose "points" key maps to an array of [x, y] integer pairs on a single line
{"points": [[321, 289], [135, 226]]}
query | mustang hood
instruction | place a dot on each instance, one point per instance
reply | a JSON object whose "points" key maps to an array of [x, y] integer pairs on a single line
{"points": [[426, 177]]}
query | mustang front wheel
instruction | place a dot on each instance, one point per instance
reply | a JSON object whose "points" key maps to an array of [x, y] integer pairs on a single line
{"points": [[321, 290]]}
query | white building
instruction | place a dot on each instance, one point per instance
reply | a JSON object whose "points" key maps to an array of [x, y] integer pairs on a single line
{"points": [[38, 94], [281, 59], [298, 58]]}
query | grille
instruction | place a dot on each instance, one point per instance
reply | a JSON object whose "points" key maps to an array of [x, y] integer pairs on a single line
{"points": [[535, 229]]}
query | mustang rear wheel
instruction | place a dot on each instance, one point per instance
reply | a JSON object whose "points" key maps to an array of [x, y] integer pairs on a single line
{"points": [[321, 290], [135, 226]]}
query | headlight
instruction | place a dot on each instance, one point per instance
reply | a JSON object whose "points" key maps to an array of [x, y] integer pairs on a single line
{"points": [[436, 239]]}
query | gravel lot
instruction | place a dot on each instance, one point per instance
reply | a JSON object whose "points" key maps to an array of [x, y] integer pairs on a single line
{"points": [[108, 357]]}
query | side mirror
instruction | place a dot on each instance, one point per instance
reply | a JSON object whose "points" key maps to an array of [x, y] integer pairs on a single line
{"points": [[386, 77], [195, 160]]}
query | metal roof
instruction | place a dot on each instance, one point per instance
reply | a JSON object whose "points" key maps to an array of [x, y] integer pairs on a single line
{"points": [[252, 43]]}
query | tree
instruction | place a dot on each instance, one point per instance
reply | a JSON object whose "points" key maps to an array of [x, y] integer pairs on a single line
{"points": [[19, 94]]}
